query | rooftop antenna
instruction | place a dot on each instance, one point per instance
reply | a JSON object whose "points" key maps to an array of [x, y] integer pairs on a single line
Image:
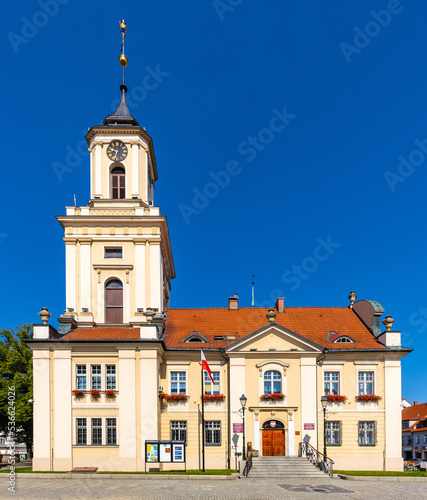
{"points": [[253, 291]]}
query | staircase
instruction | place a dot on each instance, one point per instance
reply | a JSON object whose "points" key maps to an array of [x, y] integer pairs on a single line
{"points": [[284, 467]]}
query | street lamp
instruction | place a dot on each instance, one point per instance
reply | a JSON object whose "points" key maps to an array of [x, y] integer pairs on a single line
{"points": [[324, 401], [243, 401]]}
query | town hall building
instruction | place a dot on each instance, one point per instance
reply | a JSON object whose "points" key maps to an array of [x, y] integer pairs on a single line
{"points": [[123, 367]]}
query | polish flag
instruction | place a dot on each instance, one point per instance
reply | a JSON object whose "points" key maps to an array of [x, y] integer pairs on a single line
{"points": [[205, 366]]}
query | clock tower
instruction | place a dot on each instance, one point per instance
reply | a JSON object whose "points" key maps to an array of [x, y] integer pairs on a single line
{"points": [[119, 263]]}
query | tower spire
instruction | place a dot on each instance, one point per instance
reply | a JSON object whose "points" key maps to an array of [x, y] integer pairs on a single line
{"points": [[122, 115]]}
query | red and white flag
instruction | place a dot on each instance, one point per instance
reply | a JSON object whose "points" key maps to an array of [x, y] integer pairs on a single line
{"points": [[205, 366]]}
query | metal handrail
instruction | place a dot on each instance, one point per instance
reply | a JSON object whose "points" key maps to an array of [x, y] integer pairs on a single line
{"points": [[317, 458]]}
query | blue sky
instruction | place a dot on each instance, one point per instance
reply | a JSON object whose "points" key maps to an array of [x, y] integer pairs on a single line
{"points": [[316, 111]]}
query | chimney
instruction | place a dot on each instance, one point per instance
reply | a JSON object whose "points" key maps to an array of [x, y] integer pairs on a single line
{"points": [[233, 302], [415, 403], [280, 304]]}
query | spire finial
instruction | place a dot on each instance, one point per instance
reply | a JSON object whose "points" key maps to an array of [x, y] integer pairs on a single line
{"points": [[123, 60], [253, 291]]}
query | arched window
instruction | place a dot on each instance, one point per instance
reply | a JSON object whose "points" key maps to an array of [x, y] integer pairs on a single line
{"points": [[343, 340], [117, 183], [272, 382], [114, 301]]}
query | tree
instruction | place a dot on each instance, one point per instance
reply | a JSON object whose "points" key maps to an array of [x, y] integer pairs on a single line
{"points": [[16, 371]]}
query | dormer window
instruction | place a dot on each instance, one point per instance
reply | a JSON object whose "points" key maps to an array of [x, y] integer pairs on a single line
{"points": [[117, 183], [344, 340], [196, 337]]}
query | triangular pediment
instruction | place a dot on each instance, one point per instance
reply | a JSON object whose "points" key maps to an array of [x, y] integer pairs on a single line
{"points": [[274, 337]]}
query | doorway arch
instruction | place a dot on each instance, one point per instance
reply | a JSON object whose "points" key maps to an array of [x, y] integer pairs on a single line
{"points": [[273, 438]]}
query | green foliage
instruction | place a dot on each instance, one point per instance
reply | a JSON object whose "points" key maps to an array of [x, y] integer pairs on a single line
{"points": [[16, 370]]}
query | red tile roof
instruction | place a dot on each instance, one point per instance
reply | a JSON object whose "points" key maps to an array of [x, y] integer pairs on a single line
{"points": [[415, 412], [313, 323]]}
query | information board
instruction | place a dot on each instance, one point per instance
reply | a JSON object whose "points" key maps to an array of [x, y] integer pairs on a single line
{"points": [[152, 452], [237, 428], [165, 452], [309, 427], [178, 452]]}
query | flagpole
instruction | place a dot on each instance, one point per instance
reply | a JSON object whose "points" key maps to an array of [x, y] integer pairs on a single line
{"points": [[203, 422]]}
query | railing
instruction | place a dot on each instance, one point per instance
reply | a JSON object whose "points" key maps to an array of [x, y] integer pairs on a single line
{"points": [[320, 460], [248, 464]]}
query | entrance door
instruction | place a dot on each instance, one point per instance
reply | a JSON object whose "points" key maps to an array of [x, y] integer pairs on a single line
{"points": [[273, 443]]}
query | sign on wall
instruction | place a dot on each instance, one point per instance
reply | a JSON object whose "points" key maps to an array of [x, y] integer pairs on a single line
{"points": [[309, 427], [164, 451], [237, 428]]}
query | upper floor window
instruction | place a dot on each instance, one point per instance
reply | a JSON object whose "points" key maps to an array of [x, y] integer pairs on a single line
{"points": [[272, 382], [114, 301], [209, 387], [81, 377], [118, 183], [417, 439], [331, 382], [96, 377], [365, 383], [178, 383], [110, 377], [425, 438]]}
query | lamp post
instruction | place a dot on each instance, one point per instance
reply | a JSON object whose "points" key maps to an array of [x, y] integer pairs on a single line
{"points": [[324, 401], [243, 401]]}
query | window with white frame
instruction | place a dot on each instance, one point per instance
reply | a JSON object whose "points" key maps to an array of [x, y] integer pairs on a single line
{"points": [[81, 377], [367, 433], [178, 383], [81, 431], [95, 382], [425, 438], [111, 431], [96, 427], [331, 382], [209, 387], [333, 433], [110, 374], [272, 382], [365, 383], [213, 433], [417, 439], [179, 430]]}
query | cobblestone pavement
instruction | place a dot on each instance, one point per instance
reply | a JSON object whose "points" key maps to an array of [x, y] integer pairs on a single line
{"points": [[211, 489]]}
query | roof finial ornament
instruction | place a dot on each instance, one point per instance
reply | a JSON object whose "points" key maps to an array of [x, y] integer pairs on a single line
{"points": [[253, 291], [352, 297], [123, 60]]}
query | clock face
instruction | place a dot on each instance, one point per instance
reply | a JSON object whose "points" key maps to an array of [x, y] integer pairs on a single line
{"points": [[117, 151]]}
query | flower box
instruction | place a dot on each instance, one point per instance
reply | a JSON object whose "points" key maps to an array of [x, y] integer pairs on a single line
{"points": [[173, 397], [368, 398], [213, 397], [110, 393], [78, 393], [95, 393], [336, 398], [272, 396]]}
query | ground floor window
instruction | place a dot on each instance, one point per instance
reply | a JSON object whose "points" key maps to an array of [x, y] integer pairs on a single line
{"points": [[111, 431], [367, 433], [96, 430], [179, 430], [81, 431], [213, 433], [333, 433]]}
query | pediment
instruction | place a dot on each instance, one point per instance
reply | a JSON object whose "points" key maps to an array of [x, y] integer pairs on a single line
{"points": [[274, 337]]}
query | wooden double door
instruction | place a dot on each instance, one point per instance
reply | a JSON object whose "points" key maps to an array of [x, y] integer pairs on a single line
{"points": [[273, 442]]}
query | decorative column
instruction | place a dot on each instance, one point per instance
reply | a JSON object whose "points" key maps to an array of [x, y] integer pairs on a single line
{"points": [[70, 273], [85, 274], [309, 399], [97, 170], [62, 424], [135, 168], [393, 415], [255, 437], [42, 409], [291, 434], [127, 409], [140, 277], [237, 388], [156, 285]]}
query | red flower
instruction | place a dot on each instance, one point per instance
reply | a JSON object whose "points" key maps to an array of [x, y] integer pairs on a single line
{"points": [[213, 397], [95, 392], [368, 397], [333, 398], [110, 392], [274, 396], [173, 397], [77, 392]]}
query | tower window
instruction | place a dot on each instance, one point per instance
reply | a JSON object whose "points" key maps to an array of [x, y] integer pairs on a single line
{"points": [[114, 301], [117, 183], [114, 253]]}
